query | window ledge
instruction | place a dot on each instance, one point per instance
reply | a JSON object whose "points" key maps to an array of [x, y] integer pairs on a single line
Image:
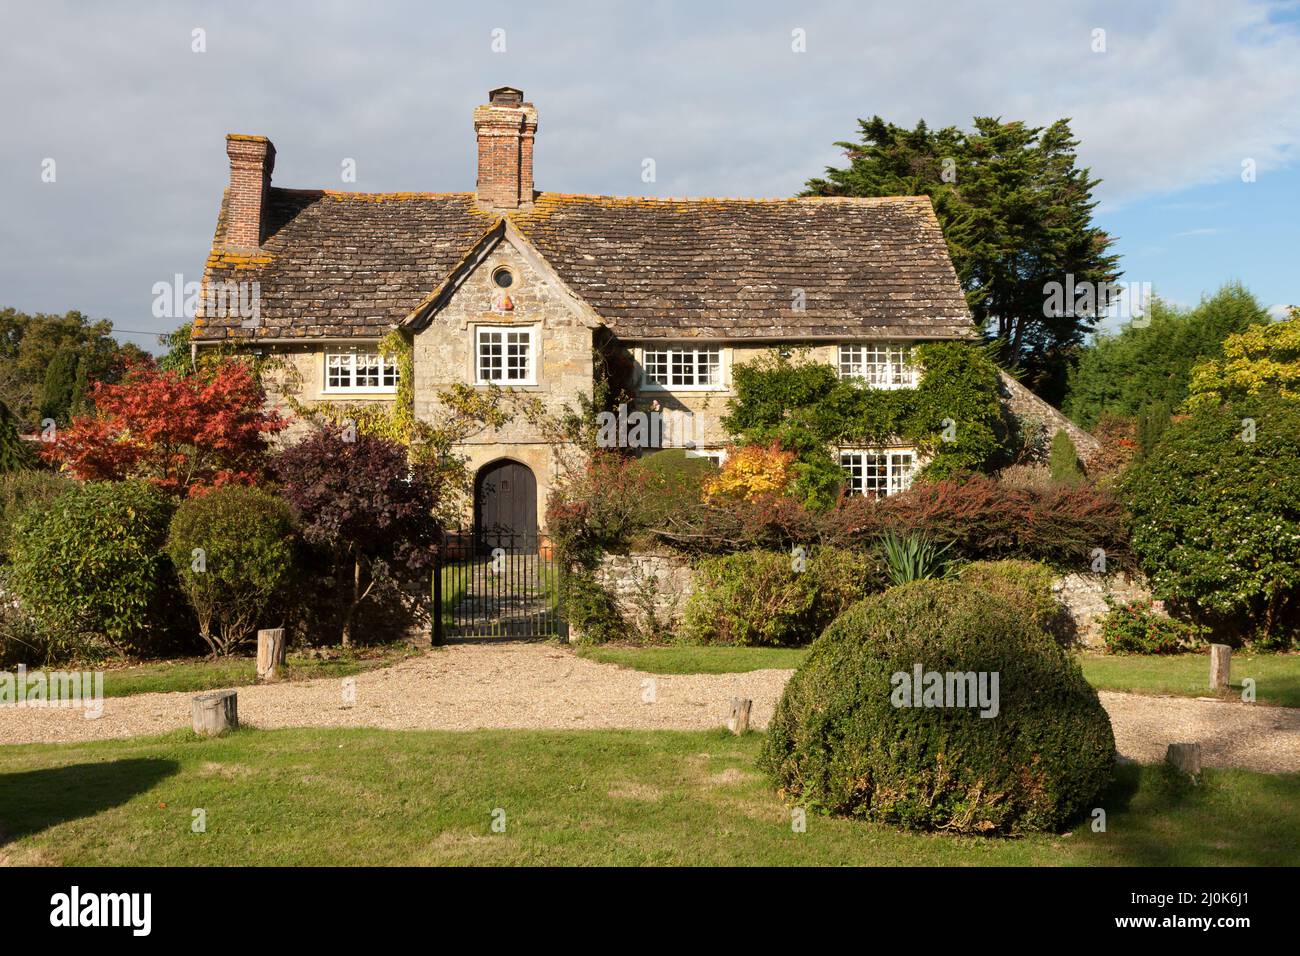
{"points": [[654, 387]]}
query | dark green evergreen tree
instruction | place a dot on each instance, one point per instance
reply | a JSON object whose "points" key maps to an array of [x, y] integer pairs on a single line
{"points": [[1016, 212], [60, 382], [1064, 459], [1143, 370], [81, 390], [14, 453]]}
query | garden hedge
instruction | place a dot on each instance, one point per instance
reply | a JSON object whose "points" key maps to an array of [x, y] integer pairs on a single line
{"points": [[89, 567]]}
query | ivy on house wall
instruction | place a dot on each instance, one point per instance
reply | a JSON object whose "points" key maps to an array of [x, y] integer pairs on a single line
{"points": [[953, 417], [464, 411]]}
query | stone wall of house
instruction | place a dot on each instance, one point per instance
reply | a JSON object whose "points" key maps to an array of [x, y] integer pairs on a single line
{"points": [[1029, 408], [706, 407], [1084, 596], [444, 355], [650, 590], [302, 371]]}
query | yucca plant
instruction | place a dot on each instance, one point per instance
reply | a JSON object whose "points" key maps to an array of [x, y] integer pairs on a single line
{"points": [[913, 557]]}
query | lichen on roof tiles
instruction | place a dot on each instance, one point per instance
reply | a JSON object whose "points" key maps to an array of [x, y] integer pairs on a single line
{"points": [[359, 263]]}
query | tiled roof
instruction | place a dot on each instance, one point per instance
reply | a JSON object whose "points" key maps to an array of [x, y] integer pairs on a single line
{"points": [[355, 264], [654, 268], [338, 264]]}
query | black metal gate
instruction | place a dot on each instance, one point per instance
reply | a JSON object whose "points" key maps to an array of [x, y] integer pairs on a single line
{"points": [[497, 584]]}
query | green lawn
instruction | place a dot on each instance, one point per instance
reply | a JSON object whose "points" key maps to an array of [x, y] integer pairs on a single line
{"points": [[322, 797], [689, 659], [198, 674], [1277, 676]]}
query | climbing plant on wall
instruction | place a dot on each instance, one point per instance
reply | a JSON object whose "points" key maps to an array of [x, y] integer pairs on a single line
{"points": [[953, 417]]}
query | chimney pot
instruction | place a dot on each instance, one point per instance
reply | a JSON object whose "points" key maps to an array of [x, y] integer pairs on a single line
{"points": [[505, 128]]}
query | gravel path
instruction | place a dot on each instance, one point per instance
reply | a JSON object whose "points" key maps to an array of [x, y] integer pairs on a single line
{"points": [[520, 685]]}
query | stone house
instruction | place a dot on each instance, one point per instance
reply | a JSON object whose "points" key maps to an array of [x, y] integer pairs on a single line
{"points": [[524, 289]]}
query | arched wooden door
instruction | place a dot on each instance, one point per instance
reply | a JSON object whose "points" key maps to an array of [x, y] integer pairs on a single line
{"points": [[505, 506]]}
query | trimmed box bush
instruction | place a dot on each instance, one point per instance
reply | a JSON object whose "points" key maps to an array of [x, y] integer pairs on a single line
{"points": [[837, 743], [773, 599], [1027, 585], [233, 550]]}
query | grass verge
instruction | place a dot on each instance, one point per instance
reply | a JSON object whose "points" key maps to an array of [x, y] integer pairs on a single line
{"points": [[199, 674], [1276, 676], [691, 659]]}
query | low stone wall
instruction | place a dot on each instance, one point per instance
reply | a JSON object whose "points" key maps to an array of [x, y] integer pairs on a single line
{"points": [[1084, 596], [650, 589]]}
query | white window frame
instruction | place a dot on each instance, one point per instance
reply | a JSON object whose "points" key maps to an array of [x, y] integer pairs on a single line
{"points": [[879, 472], [351, 359], [878, 364], [688, 357], [528, 332]]}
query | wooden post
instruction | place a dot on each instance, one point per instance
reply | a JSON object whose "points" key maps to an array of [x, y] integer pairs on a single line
{"points": [[216, 712], [1220, 667], [738, 722], [1184, 757], [270, 654]]}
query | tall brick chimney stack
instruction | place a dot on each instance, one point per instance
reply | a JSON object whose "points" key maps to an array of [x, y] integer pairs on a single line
{"points": [[505, 128], [252, 159]]}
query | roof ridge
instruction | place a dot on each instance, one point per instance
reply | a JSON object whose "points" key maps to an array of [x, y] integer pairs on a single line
{"points": [[868, 200], [341, 194]]}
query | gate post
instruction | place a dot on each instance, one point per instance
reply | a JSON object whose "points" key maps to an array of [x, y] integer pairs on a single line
{"points": [[436, 638]]}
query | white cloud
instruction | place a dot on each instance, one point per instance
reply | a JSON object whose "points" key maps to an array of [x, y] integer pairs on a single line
{"points": [[1184, 92]]}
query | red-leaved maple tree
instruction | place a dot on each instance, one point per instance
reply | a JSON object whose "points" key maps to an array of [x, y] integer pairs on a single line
{"points": [[185, 434]]}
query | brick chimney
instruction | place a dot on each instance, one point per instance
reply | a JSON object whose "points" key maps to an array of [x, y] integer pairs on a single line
{"points": [[505, 128], [252, 159]]}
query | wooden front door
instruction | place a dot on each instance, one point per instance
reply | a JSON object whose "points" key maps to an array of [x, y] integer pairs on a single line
{"points": [[505, 507]]}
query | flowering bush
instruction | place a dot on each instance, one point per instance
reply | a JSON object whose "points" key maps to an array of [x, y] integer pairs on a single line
{"points": [[1216, 517], [1134, 628]]}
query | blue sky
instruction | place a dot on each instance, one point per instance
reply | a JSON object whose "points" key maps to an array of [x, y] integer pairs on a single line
{"points": [[135, 120]]}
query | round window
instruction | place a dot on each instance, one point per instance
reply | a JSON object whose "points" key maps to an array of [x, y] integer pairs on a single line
{"points": [[503, 277]]}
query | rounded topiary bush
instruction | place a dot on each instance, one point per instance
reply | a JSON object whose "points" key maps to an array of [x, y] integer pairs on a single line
{"points": [[234, 553], [838, 743], [1028, 586]]}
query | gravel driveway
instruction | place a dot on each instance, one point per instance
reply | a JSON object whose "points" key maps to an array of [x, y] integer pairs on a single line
{"points": [[522, 685]]}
